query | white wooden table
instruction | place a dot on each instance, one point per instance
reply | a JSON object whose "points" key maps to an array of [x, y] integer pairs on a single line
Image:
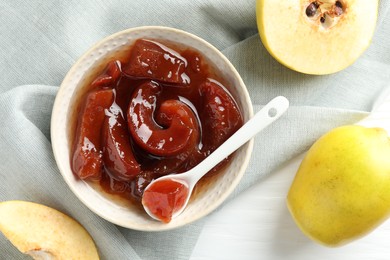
{"points": [[257, 225]]}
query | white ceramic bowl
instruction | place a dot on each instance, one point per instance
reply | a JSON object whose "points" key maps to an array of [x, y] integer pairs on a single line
{"points": [[209, 196]]}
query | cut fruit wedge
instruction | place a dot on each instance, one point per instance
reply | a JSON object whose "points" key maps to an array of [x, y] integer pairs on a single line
{"points": [[316, 37], [45, 233]]}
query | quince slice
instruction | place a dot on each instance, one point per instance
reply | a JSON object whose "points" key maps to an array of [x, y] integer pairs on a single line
{"points": [[44, 233]]}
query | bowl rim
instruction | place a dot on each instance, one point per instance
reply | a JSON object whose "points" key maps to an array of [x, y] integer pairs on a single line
{"points": [[56, 109]]}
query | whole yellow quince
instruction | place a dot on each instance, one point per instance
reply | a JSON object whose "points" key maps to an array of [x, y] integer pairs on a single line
{"points": [[342, 188]]}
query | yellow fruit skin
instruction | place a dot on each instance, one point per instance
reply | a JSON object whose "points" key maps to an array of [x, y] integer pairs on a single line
{"points": [[342, 188]]}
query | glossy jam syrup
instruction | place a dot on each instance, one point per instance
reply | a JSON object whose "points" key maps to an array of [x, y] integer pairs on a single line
{"points": [[164, 198], [168, 111]]}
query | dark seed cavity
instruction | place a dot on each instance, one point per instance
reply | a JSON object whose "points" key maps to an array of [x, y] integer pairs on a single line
{"points": [[325, 14], [339, 4], [311, 9], [338, 8]]}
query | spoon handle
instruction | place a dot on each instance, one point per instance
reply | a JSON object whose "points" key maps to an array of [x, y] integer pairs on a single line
{"points": [[268, 114]]}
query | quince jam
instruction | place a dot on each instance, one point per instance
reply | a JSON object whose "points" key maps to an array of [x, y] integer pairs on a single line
{"points": [[159, 110]]}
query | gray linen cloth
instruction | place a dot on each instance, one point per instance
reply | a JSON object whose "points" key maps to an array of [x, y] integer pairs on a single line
{"points": [[40, 40]]}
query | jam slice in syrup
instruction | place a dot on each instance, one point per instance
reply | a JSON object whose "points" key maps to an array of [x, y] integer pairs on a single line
{"points": [[152, 60], [110, 76], [220, 115], [170, 132], [118, 157], [87, 156]]}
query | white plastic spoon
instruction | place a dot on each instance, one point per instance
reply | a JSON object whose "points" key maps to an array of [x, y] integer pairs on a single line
{"points": [[177, 188]]}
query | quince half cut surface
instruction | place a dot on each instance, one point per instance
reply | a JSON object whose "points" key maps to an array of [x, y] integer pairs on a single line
{"points": [[44, 233], [316, 37]]}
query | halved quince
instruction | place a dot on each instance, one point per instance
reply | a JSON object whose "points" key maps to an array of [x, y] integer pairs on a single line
{"points": [[44, 233], [316, 36]]}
